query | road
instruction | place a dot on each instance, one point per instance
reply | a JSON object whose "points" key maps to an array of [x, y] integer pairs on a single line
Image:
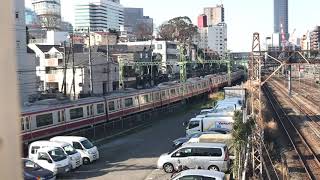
{"points": [[135, 156]]}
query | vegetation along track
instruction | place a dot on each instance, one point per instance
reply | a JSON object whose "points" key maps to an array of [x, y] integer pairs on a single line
{"points": [[307, 157]]}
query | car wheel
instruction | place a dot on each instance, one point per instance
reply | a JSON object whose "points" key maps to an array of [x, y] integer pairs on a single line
{"points": [[168, 168], [213, 168], [86, 160]]}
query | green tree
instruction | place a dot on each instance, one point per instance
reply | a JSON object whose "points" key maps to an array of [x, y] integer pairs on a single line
{"points": [[178, 29]]}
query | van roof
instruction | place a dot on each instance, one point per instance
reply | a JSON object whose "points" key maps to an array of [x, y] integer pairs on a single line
{"points": [[45, 149], [196, 119], [205, 145], [202, 172], [76, 138], [48, 143]]}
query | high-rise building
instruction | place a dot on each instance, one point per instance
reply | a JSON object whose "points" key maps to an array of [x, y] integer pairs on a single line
{"points": [[281, 16], [214, 38], [315, 39], [215, 15], [98, 15], [131, 15], [140, 25], [202, 21], [48, 12]]}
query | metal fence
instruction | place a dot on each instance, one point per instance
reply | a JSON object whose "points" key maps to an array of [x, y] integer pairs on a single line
{"points": [[127, 124]]}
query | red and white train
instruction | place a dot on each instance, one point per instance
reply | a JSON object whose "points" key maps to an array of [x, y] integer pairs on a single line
{"points": [[52, 117]]}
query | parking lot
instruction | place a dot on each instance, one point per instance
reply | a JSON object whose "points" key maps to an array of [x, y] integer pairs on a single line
{"points": [[134, 156]]}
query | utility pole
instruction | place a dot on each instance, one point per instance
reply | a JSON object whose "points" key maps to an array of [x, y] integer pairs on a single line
{"points": [[73, 69], [65, 70], [90, 64]]}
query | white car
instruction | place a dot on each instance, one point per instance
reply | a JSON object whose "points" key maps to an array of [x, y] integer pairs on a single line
{"points": [[88, 151], [74, 156], [195, 174]]}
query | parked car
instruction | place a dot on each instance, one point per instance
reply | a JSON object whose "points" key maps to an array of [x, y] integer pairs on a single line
{"points": [[88, 151], [199, 174], [32, 171], [51, 158], [211, 156], [73, 155]]}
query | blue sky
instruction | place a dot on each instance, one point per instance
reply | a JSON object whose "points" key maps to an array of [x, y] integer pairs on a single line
{"points": [[243, 17]]}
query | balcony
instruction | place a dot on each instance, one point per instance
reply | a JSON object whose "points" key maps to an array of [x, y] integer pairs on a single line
{"points": [[51, 62], [51, 78]]}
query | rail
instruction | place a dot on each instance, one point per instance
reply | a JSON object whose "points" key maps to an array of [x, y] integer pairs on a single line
{"points": [[306, 155]]}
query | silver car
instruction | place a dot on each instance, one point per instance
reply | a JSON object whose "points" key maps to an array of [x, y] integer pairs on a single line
{"points": [[197, 174], [211, 156]]}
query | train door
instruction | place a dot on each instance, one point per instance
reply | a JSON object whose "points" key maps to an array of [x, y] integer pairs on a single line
{"points": [[90, 110], [61, 116]]}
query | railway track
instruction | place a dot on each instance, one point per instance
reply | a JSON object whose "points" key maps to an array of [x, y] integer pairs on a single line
{"points": [[309, 161], [313, 118]]}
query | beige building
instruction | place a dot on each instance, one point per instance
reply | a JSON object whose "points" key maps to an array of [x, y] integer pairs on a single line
{"points": [[215, 15], [101, 39]]}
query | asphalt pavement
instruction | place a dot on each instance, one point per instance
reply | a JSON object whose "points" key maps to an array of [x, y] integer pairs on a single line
{"points": [[134, 157]]}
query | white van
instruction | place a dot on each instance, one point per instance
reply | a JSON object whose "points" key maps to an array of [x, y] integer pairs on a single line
{"points": [[88, 151], [73, 155], [52, 158], [211, 156]]}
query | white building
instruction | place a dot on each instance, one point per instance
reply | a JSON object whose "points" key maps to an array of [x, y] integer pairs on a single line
{"points": [[50, 70], [214, 37], [52, 38], [25, 61], [98, 15], [167, 49]]}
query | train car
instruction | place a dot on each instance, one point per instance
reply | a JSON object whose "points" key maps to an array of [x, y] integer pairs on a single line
{"points": [[52, 117]]}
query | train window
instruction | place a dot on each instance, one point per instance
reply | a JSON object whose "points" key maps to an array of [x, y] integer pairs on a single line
{"points": [[27, 123], [173, 92], [128, 102], [62, 115], [59, 116], [163, 94], [22, 124], [44, 120], [111, 106], [145, 98], [181, 90], [100, 108], [76, 113], [157, 96]]}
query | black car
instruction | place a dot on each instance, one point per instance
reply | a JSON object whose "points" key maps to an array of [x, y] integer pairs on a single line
{"points": [[32, 171]]}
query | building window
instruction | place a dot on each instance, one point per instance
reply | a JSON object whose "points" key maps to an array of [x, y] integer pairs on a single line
{"points": [[17, 15], [159, 46], [18, 44]]}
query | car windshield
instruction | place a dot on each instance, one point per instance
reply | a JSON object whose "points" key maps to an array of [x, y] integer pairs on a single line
{"points": [[69, 149], [57, 154], [31, 165], [87, 144], [193, 124]]}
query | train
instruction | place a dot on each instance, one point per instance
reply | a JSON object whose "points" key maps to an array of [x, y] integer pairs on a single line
{"points": [[51, 117]]}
